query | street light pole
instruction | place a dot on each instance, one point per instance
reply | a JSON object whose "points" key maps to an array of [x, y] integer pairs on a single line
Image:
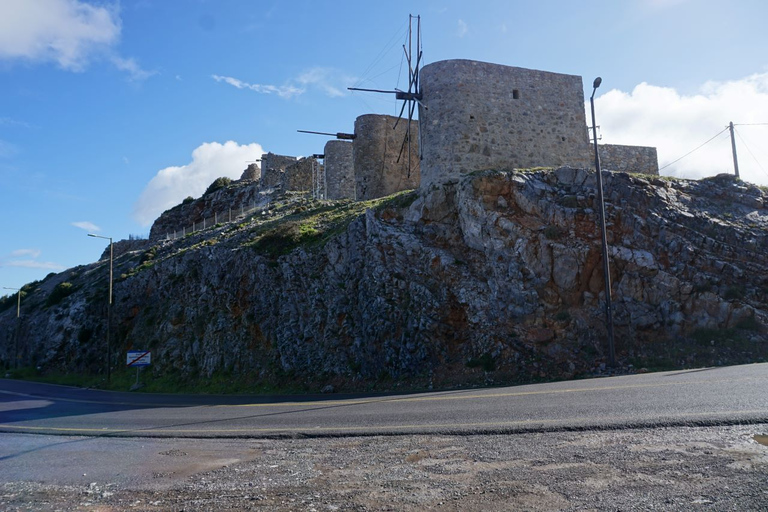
{"points": [[604, 238], [18, 325], [109, 306]]}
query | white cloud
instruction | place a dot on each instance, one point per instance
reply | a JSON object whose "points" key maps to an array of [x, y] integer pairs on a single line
{"points": [[70, 33], [676, 124], [87, 226], [284, 91], [67, 32], [329, 81], [463, 29], [32, 253], [171, 185]]}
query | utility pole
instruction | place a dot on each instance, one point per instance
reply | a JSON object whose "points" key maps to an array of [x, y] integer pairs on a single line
{"points": [[603, 235], [733, 147]]}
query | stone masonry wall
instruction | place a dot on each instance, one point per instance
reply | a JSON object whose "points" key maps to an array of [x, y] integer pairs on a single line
{"points": [[339, 170], [272, 166], [298, 176], [375, 153], [642, 159], [488, 116]]}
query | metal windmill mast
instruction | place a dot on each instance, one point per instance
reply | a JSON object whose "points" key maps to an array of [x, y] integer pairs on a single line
{"points": [[413, 95], [320, 184]]}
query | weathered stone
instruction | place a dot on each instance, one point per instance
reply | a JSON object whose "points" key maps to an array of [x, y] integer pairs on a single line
{"points": [[339, 170], [383, 164], [638, 159], [496, 267], [487, 116]]}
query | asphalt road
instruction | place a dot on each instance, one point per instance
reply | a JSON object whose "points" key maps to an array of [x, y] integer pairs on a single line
{"points": [[710, 396]]}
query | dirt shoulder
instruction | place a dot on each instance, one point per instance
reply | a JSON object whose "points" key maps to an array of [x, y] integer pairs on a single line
{"points": [[712, 468]]}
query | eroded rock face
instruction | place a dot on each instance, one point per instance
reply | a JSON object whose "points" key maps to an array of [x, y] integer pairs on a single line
{"points": [[218, 206], [501, 271]]}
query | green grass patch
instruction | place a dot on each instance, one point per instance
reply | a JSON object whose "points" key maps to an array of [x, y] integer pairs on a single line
{"points": [[59, 293], [312, 225]]}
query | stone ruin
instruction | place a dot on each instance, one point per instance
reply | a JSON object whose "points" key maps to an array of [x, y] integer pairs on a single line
{"points": [[642, 159], [298, 175], [488, 116], [480, 116], [339, 166], [380, 167], [272, 168], [251, 173]]}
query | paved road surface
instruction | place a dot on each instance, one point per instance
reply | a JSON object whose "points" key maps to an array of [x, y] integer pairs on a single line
{"points": [[711, 396]]}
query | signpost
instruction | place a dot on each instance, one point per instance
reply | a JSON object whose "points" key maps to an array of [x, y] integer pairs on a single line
{"points": [[138, 358]]}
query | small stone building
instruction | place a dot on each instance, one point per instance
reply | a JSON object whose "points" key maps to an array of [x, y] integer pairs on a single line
{"points": [[298, 175], [272, 167], [488, 116], [641, 159], [382, 164], [339, 170]]}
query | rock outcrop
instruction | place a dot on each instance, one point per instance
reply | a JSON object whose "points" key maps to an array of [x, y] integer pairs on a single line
{"points": [[496, 277]]}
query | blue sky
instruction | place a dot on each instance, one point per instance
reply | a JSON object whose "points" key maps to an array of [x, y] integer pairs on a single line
{"points": [[111, 111]]}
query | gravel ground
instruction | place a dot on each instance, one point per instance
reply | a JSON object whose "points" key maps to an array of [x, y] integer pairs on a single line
{"points": [[693, 468]]}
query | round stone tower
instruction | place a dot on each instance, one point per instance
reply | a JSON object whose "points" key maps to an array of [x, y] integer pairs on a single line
{"points": [[381, 168], [487, 116]]}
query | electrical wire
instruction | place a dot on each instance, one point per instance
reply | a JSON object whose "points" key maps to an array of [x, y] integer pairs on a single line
{"points": [[387, 47], [693, 150], [750, 152]]}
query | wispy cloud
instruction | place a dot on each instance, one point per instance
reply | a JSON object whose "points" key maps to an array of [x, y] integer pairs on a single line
{"points": [[28, 258], [329, 81], [132, 67], [462, 29], [7, 149], [32, 253], [677, 123], [284, 91], [46, 265], [9, 121], [87, 226], [171, 185]]}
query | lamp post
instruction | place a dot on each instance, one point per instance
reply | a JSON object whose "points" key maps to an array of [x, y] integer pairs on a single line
{"points": [[18, 299], [18, 325], [109, 306], [606, 268]]}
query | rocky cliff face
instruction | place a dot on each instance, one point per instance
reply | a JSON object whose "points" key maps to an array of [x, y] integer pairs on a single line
{"points": [[497, 277]]}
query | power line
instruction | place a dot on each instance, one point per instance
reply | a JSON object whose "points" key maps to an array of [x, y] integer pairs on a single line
{"points": [[693, 150], [387, 47], [750, 152], [750, 124]]}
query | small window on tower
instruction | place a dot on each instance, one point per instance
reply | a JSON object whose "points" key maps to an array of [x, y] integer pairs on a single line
{"points": [[515, 94]]}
